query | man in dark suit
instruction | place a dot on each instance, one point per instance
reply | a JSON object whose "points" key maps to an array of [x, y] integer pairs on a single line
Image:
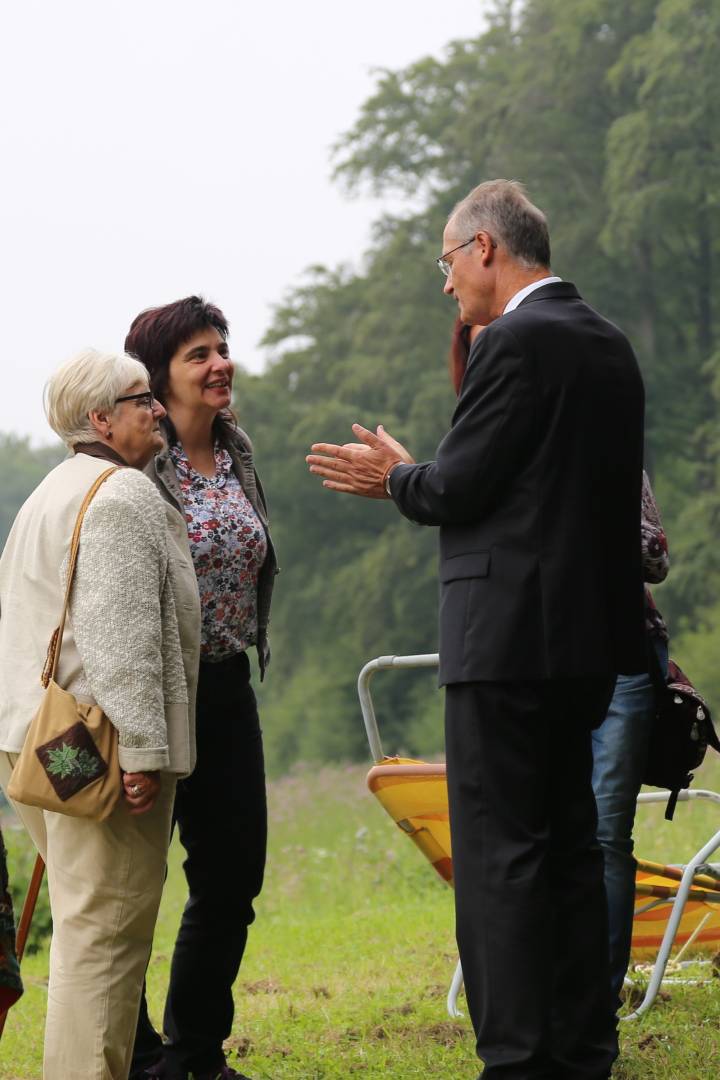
{"points": [[535, 490]]}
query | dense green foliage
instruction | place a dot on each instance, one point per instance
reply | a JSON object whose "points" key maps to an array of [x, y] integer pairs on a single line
{"points": [[609, 111], [21, 469]]}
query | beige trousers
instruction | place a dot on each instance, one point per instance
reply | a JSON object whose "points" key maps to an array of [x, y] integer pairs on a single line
{"points": [[105, 880]]}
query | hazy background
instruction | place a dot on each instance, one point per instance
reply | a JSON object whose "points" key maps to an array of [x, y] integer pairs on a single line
{"points": [[156, 151], [158, 148]]}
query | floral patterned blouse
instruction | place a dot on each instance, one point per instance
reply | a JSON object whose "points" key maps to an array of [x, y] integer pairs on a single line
{"points": [[656, 561], [228, 546]]}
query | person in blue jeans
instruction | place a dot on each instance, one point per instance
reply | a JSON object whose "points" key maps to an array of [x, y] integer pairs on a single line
{"points": [[620, 747]]}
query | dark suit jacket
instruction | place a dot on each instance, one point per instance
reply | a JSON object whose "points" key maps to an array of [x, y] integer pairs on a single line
{"points": [[537, 489]]}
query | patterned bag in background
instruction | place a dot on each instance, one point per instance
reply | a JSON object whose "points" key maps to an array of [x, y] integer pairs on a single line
{"points": [[681, 733], [11, 986]]}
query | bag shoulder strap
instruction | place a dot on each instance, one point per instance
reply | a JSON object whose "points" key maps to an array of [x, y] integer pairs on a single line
{"points": [[654, 670], [53, 652]]}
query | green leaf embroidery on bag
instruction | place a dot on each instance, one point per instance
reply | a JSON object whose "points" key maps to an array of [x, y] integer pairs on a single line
{"points": [[87, 763], [68, 761], [61, 762]]}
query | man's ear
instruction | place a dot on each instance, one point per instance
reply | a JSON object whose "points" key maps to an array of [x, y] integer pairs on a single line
{"points": [[487, 247]]}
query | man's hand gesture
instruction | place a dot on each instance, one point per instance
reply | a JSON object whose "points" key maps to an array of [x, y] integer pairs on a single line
{"points": [[359, 468]]}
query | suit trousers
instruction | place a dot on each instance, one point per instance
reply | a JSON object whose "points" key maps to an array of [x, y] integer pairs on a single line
{"points": [[221, 815], [105, 880], [531, 910]]}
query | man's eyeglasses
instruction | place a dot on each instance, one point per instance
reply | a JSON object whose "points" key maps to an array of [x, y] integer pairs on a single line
{"points": [[145, 400], [442, 262]]}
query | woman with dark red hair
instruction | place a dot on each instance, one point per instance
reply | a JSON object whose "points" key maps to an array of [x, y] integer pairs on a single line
{"points": [[462, 340], [206, 471]]}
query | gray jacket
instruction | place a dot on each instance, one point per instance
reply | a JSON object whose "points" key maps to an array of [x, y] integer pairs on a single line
{"points": [[162, 471]]}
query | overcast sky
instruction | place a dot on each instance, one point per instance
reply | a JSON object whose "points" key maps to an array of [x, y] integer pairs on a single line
{"points": [[155, 148]]}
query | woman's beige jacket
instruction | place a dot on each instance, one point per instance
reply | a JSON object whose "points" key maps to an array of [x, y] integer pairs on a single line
{"points": [[131, 642]]}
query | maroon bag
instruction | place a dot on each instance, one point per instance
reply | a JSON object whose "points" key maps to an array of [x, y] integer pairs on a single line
{"points": [[681, 733]]}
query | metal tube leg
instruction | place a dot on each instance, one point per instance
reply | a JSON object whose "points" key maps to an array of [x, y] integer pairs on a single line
{"points": [[672, 926], [455, 988]]}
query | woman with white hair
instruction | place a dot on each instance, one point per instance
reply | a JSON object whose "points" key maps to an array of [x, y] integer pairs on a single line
{"points": [[131, 645]]}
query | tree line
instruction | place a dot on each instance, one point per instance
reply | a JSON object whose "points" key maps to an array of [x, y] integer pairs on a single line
{"points": [[609, 111]]}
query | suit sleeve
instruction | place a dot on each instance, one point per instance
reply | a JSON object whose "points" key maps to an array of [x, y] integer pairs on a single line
{"points": [[492, 430]]}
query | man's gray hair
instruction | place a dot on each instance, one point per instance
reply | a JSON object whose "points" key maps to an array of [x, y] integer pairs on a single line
{"points": [[90, 381], [501, 208]]}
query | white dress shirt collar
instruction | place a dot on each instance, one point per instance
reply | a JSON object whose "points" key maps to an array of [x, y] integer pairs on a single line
{"points": [[520, 296]]}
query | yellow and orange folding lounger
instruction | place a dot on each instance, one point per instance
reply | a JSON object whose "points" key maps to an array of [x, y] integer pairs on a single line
{"points": [[673, 904]]}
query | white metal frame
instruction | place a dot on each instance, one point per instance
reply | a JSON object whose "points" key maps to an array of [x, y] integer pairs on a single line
{"points": [[383, 663], [658, 970], [431, 660]]}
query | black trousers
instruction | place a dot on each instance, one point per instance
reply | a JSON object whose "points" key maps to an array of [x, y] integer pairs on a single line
{"points": [[221, 815], [530, 900]]}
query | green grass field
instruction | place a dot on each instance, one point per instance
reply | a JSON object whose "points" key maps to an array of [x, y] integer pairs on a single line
{"points": [[350, 958]]}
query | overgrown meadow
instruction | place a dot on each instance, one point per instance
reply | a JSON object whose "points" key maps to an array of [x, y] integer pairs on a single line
{"points": [[350, 959]]}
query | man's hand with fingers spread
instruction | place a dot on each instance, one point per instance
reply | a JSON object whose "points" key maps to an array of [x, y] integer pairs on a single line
{"points": [[359, 468]]}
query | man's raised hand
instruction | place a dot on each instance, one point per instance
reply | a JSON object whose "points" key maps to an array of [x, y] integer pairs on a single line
{"points": [[358, 469]]}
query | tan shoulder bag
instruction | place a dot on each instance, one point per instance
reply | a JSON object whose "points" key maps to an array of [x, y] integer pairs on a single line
{"points": [[69, 761]]}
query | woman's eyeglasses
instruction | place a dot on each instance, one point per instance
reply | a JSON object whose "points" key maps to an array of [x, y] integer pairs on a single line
{"points": [[145, 400]]}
